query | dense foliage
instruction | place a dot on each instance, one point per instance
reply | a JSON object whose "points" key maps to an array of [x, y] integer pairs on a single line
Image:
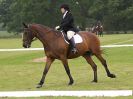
{"points": [[116, 15]]}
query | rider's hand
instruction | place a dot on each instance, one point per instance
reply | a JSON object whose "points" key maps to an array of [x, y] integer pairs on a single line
{"points": [[57, 27]]}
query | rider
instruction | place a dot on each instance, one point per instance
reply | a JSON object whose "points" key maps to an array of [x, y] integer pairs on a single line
{"points": [[67, 25], [99, 27], [99, 24]]}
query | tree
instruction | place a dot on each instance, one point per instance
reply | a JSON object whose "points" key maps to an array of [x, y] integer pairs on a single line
{"points": [[116, 15], [5, 11]]}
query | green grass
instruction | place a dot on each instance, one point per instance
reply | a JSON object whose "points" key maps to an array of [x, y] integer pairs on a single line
{"points": [[117, 38], [16, 43], [18, 72], [107, 39]]}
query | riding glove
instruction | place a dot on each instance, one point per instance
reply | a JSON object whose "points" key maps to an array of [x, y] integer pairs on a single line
{"points": [[57, 27]]}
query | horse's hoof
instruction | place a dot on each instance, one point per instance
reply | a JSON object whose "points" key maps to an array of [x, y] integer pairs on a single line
{"points": [[38, 86], [71, 82], [112, 76], [94, 81]]}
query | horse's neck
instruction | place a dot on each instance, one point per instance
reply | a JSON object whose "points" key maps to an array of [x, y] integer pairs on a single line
{"points": [[47, 37]]}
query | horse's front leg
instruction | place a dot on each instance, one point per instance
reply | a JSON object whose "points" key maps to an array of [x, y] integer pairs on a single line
{"points": [[65, 63], [46, 69]]}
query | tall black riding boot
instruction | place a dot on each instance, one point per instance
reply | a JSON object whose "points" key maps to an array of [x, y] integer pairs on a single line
{"points": [[74, 50]]}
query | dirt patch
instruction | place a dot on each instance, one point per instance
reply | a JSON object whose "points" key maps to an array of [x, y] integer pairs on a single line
{"points": [[43, 59]]}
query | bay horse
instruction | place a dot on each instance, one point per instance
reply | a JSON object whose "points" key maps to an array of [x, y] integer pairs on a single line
{"points": [[55, 47]]}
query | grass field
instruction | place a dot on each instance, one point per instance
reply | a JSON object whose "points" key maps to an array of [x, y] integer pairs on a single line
{"points": [[19, 72]]}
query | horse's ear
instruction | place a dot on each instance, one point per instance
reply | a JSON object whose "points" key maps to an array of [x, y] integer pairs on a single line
{"points": [[26, 26]]}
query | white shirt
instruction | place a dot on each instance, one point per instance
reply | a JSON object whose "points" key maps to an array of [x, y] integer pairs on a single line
{"points": [[64, 14]]}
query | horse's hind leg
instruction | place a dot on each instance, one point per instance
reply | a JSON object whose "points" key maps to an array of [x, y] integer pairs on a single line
{"points": [[102, 34], [65, 63], [103, 61], [93, 65]]}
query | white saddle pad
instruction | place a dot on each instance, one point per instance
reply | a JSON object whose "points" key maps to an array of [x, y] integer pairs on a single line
{"points": [[78, 38]]}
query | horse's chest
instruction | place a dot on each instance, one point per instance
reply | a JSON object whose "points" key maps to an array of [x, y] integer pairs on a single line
{"points": [[52, 54]]}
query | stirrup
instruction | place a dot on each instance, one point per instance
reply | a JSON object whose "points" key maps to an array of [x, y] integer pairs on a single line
{"points": [[74, 50]]}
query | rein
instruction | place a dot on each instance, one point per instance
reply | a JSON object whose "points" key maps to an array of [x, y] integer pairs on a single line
{"points": [[34, 39], [57, 34], [52, 30]]}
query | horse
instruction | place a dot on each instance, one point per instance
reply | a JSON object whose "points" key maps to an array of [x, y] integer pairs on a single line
{"points": [[98, 30], [55, 47]]}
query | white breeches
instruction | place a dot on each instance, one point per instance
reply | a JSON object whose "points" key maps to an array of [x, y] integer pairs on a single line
{"points": [[70, 34]]}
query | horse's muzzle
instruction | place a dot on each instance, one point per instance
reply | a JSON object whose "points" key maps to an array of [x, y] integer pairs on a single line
{"points": [[26, 46]]}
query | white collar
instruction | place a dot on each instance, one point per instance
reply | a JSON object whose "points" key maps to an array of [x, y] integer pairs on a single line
{"points": [[64, 14]]}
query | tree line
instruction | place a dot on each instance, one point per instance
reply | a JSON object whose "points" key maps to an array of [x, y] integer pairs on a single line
{"points": [[115, 15]]}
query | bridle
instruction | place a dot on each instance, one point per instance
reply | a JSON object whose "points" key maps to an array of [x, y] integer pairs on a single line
{"points": [[34, 39]]}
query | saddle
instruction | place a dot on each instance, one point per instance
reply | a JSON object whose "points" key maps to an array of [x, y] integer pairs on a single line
{"points": [[77, 38]]}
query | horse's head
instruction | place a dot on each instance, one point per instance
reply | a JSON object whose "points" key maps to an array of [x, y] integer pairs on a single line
{"points": [[27, 36]]}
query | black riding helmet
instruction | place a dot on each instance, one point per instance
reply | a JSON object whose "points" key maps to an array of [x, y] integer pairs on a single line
{"points": [[65, 6]]}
